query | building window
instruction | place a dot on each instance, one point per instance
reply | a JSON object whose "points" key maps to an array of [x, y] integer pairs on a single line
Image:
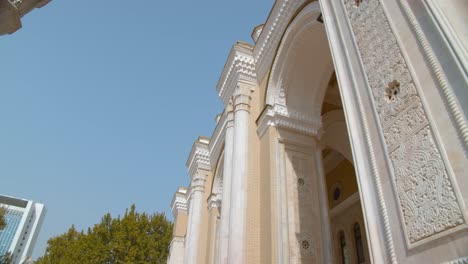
{"points": [[358, 241], [343, 248]]}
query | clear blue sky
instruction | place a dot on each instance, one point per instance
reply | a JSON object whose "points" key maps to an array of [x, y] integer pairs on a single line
{"points": [[100, 101]]}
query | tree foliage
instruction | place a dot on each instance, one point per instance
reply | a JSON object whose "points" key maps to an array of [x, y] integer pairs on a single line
{"points": [[2, 219], [7, 258], [134, 238]]}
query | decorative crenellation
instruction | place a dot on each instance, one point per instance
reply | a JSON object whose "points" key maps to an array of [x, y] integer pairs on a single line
{"points": [[240, 66], [199, 158], [427, 199], [288, 118], [179, 201]]}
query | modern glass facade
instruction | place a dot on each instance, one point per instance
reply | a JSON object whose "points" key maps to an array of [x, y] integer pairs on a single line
{"points": [[23, 221], [13, 219]]}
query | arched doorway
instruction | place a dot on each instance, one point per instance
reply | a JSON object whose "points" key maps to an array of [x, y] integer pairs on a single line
{"points": [[317, 186]]}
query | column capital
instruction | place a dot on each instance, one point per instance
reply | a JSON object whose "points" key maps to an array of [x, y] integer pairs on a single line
{"points": [[197, 184], [242, 95]]}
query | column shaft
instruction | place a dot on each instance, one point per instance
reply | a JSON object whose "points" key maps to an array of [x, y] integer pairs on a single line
{"points": [[239, 182], [226, 195], [193, 232]]}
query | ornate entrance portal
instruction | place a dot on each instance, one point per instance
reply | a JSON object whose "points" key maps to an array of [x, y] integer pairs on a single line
{"points": [[343, 140]]}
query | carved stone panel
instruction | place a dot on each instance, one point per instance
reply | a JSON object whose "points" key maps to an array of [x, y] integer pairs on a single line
{"points": [[426, 194]]}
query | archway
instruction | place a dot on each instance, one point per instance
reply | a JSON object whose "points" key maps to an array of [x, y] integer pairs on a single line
{"points": [[314, 153]]}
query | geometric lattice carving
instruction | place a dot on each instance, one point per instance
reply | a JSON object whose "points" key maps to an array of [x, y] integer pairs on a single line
{"points": [[425, 192]]}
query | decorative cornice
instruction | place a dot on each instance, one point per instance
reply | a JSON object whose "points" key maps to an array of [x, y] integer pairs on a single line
{"points": [[239, 66], [179, 201], [199, 157], [285, 117]]}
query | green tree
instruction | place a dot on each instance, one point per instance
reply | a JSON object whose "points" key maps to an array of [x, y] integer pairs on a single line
{"points": [[133, 238], [2, 219], [7, 258]]}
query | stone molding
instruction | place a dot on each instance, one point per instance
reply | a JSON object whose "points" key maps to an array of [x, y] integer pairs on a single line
{"points": [[239, 66], [447, 91], [288, 118], [179, 201]]}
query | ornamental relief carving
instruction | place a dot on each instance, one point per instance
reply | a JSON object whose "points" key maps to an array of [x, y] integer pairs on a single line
{"points": [[425, 192]]}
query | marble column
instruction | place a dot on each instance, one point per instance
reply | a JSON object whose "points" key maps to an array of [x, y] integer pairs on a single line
{"points": [[240, 166], [197, 187], [226, 195]]}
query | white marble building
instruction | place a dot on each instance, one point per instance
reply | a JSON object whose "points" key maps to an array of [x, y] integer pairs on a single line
{"points": [[344, 139]]}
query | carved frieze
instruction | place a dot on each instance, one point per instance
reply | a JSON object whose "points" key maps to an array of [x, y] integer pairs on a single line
{"points": [[426, 194]]}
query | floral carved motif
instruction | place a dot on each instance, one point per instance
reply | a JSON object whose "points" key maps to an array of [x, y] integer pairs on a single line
{"points": [[425, 192]]}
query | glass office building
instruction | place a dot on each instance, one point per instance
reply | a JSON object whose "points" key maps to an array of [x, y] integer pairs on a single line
{"points": [[23, 220]]}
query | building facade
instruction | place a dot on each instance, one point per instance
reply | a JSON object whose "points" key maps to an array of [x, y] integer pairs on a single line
{"points": [[344, 139], [23, 222]]}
